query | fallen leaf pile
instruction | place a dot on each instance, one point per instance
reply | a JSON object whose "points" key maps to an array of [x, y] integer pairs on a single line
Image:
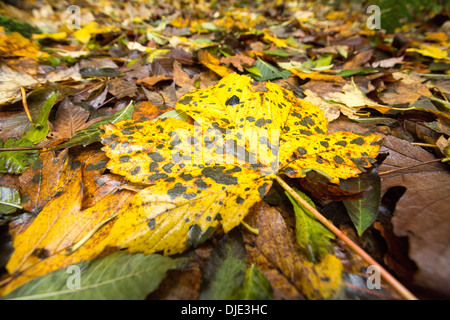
{"points": [[158, 129]]}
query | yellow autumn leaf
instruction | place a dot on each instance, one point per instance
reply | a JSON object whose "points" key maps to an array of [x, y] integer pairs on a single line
{"points": [[436, 36], [85, 33], [54, 36], [15, 44], [179, 22], [337, 15], [213, 63], [208, 174], [430, 51], [276, 41], [43, 247], [317, 76]]}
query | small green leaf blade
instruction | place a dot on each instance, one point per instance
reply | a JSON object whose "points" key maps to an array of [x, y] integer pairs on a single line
{"points": [[92, 133], [9, 200], [118, 276], [312, 236], [364, 210], [15, 162], [278, 52], [255, 286], [225, 270], [269, 72], [39, 130], [358, 71]]}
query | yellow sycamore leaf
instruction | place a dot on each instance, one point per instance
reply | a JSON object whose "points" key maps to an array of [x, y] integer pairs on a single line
{"points": [[207, 174]]}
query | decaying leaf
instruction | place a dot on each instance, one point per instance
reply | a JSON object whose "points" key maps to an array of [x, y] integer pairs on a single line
{"points": [[69, 119], [408, 90], [274, 252], [10, 83], [238, 61], [352, 97]]}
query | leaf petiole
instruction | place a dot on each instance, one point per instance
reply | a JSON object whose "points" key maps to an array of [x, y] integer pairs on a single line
{"points": [[249, 228]]}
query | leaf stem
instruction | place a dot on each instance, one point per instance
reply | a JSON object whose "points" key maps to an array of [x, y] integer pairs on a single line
{"points": [[249, 228], [25, 105], [422, 144], [402, 290]]}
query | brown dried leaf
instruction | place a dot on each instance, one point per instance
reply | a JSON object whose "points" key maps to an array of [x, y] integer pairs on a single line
{"points": [[421, 214], [69, 119], [238, 61], [151, 81]]}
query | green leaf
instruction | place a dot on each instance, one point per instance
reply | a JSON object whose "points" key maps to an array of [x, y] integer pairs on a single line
{"points": [[118, 276], [225, 270], [363, 211], [278, 52], [358, 71], [209, 26], [342, 51], [323, 62], [255, 286], [92, 133], [201, 41], [9, 200], [253, 70], [39, 130], [16, 162], [312, 236], [269, 72]]}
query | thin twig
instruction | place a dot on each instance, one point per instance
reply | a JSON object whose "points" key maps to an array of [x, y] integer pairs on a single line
{"points": [[413, 166], [402, 290]]}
